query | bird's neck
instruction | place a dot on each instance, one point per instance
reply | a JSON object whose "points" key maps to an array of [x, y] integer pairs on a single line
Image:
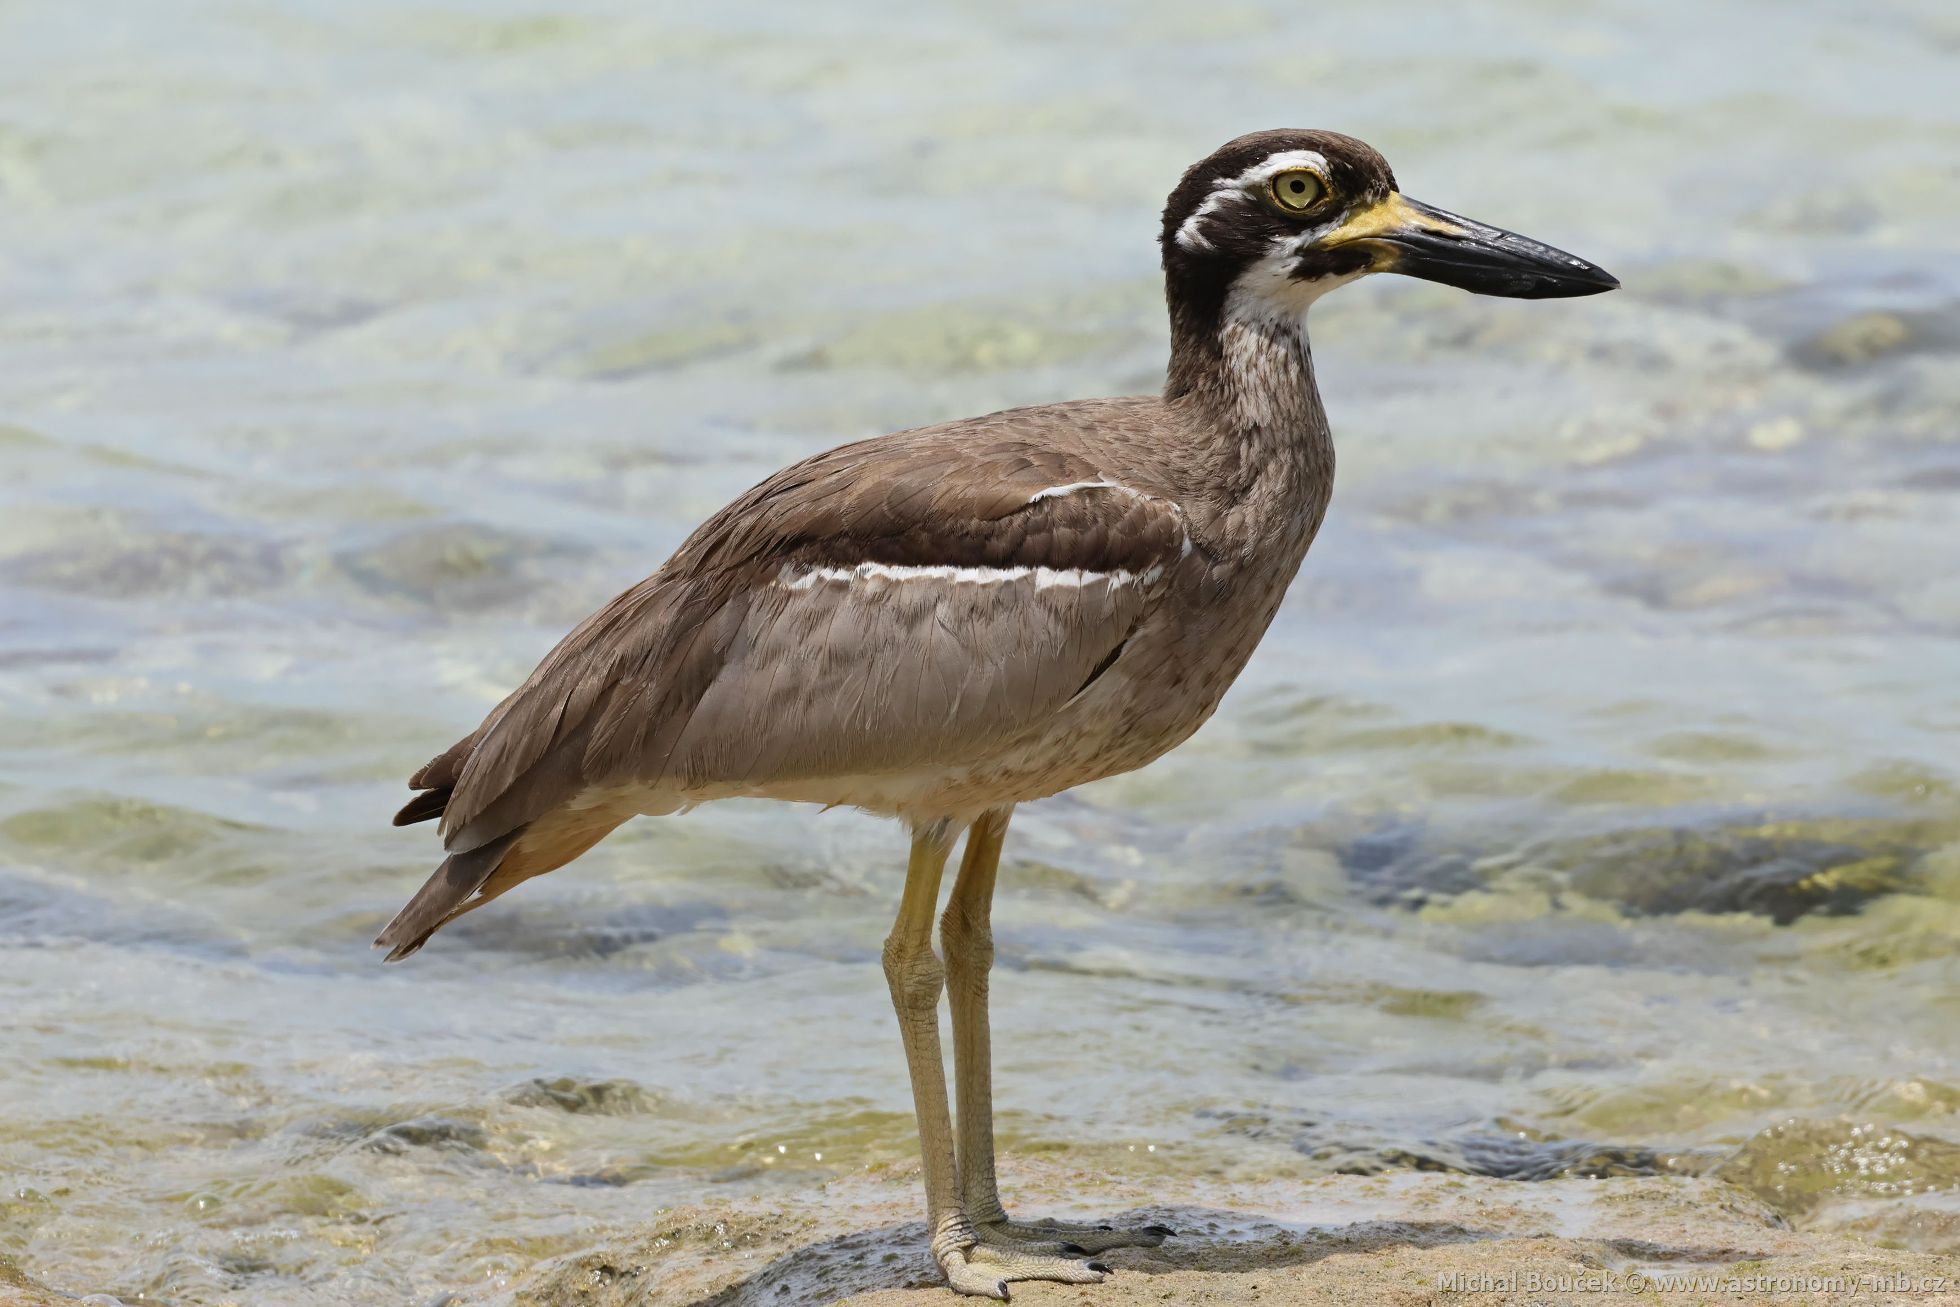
{"points": [[1244, 365]]}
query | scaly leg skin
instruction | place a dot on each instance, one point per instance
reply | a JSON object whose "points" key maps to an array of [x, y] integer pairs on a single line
{"points": [[916, 979], [967, 930]]}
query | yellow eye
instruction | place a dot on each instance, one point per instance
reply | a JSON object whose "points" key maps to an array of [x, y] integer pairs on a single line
{"points": [[1297, 190]]}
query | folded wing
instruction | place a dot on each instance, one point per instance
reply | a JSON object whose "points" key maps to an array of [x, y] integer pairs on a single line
{"points": [[899, 604]]}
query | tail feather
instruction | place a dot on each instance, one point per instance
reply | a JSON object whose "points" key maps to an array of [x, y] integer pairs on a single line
{"points": [[427, 804], [441, 898], [437, 780]]}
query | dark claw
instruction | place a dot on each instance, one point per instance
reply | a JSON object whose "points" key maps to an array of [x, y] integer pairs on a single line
{"points": [[1100, 1268], [1075, 1250], [1001, 1287], [1105, 1227], [1164, 1230]]}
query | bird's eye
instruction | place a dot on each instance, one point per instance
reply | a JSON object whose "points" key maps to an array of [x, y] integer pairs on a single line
{"points": [[1297, 190]]}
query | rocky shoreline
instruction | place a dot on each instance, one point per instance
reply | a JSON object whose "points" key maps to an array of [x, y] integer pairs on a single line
{"points": [[1402, 1239]]}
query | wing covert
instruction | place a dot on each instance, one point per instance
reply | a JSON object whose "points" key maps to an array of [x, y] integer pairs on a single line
{"points": [[880, 606]]}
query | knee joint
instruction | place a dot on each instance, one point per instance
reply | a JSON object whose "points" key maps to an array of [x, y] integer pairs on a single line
{"points": [[914, 974], [969, 948]]}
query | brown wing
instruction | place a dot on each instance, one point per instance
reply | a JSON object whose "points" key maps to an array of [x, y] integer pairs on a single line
{"points": [[750, 656], [926, 649]]}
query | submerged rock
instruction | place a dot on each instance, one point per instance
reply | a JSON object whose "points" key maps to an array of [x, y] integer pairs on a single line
{"points": [[1498, 1150], [1784, 870], [586, 1097], [145, 565], [459, 566], [1859, 339], [428, 1132]]}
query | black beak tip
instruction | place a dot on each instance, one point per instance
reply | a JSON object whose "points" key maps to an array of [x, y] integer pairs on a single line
{"points": [[1443, 247], [1597, 282], [1560, 284]]}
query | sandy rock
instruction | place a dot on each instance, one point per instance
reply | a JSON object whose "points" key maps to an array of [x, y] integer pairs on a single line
{"points": [[1408, 1238]]}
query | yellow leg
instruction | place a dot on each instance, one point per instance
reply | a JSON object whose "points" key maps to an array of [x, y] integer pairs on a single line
{"points": [[912, 970], [916, 980], [968, 935]]}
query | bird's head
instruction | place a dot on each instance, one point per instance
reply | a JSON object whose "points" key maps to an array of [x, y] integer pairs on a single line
{"points": [[1272, 221]]}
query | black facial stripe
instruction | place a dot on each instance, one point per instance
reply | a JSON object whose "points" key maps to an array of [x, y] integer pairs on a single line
{"points": [[1338, 262]]}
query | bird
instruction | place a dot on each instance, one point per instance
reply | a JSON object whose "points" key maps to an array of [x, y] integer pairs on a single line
{"points": [[941, 624]]}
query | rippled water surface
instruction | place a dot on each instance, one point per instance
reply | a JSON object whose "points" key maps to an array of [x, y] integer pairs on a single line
{"points": [[1591, 808]]}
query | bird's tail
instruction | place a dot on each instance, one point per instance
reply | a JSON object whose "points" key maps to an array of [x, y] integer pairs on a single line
{"points": [[442, 899]]}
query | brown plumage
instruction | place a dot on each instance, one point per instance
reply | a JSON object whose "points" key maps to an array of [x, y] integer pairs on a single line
{"points": [[940, 624]]}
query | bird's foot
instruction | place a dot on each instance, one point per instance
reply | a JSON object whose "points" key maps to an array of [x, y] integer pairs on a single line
{"points": [[987, 1262], [986, 1270], [1058, 1237]]}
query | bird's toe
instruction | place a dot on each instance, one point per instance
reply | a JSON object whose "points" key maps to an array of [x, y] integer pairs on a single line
{"points": [[1057, 1237], [1018, 1264], [977, 1281]]}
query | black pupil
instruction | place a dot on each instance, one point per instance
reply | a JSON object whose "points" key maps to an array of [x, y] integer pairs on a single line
{"points": [[1297, 185]]}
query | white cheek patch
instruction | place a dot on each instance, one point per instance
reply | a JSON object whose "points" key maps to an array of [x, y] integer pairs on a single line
{"points": [[1269, 291], [1243, 188]]}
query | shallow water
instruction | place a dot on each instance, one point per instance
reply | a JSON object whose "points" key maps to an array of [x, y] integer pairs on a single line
{"points": [[1592, 808]]}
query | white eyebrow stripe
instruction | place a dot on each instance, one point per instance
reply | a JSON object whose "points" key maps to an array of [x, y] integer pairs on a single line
{"points": [[1044, 577], [1267, 167], [1189, 232]]}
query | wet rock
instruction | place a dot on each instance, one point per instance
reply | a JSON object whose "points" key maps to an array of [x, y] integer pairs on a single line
{"points": [[456, 566], [1499, 1150], [1398, 865], [19, 1289], [1781, 872], [1352, 1241], [148, 565], [1798, 1165], [1856, 340], [1920, 1227], [713, 1249], [428, 1132], [586, 1097]]}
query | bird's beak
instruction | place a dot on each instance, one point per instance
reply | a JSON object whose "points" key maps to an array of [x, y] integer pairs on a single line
{"points": [[1401, 235]]}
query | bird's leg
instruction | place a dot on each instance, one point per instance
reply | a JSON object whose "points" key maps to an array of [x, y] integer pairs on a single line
{"points": [[916, 979], [968, 935]]}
